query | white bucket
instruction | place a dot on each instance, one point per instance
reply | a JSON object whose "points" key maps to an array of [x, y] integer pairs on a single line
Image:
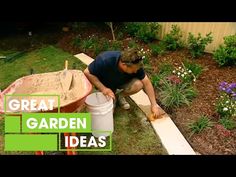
{"points": [[101, 109]]}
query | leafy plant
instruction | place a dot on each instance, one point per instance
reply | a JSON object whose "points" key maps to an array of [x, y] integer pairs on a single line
{"points": [[144, 31], [77, 41], [188, 72], [198, 44], [202, 123], [132, 44], [228, 123], [173, 39], [165, 69], [196, 69], [226, 54], [115, 45], [157, 49], [226, 104], [175, 95], [89, 42]]}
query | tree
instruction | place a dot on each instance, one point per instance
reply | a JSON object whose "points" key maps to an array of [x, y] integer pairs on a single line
{"points": [[110, 24]]}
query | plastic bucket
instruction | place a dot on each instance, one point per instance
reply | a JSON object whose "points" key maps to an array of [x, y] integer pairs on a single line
{"points": [[101, 109]]}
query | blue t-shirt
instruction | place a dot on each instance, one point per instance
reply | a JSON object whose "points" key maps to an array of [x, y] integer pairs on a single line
{"points": [[105, 68]]}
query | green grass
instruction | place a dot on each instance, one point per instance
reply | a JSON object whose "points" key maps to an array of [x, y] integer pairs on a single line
{"points": [[46, 59], [133, 134]]}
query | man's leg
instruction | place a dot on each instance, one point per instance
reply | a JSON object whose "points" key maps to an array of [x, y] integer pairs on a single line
{"points": [[134, 86]]}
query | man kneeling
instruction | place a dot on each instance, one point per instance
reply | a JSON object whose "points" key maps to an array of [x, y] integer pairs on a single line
{"points": [[121, 72]]}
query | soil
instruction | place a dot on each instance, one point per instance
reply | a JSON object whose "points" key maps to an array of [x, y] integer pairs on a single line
{"points": [[210, 141]]}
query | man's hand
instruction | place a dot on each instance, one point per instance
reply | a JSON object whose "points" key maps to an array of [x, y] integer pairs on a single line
{"points": [[108, 92], [155, 111]]}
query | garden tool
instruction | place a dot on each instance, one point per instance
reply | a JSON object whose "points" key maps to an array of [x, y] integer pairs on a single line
{"points": [[66, 78]]}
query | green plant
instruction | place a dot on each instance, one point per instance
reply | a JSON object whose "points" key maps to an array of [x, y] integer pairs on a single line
{"points": [[144, 31], [228, 123], [173, 39], [175, 95], [132, 28], [195, 69], [155, 79], [198, 44], [165, 69], [199, 125], [115, 45], [89, 42], [188, 72], [226, 104], [102, 45], [226, 54], [77, 41], [157, 49], [120, 35], [132, 44]]}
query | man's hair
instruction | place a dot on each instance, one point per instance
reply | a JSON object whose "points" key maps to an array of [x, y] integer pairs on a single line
{"points": [[131, 56]]}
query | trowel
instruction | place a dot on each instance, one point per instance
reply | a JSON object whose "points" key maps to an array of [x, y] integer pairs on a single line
{"points": [[66, 78]]}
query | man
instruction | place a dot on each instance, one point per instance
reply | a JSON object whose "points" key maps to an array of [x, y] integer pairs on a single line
{"points": [[112, 70]]}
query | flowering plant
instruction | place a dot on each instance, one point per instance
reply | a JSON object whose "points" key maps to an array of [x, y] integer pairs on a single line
{"points": [[226, 105], [185, 74], [145, 54]]}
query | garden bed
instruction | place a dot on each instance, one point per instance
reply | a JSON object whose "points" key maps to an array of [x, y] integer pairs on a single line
{"points": [[212, 140]]}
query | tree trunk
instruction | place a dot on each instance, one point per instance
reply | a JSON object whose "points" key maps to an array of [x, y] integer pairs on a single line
{"points": [[112, 31]]}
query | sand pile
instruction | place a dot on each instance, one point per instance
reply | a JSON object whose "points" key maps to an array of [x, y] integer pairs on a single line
{"points": [[50, 83]]}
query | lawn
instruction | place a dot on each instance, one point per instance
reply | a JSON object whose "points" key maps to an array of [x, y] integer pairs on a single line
{"points": [[46, 59], [132, 134]]}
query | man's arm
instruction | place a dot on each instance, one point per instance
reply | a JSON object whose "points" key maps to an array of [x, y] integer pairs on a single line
{"points": [[95, 81], [149, 90]]}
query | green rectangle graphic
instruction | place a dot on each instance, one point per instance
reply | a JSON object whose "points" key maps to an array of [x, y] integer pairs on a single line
{"points": [[30, 142], [56, 122], [12, 124]]}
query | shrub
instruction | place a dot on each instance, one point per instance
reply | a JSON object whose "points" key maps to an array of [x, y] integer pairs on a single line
{"points": [[144, 31], [173, 39], [198, 44], [199, 125], [157, 49], [226, 55], [89, 43], [100, 46], [116, 45]]}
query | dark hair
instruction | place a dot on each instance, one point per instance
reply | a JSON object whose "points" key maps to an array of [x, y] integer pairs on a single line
{"points": [[131, 56]]}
